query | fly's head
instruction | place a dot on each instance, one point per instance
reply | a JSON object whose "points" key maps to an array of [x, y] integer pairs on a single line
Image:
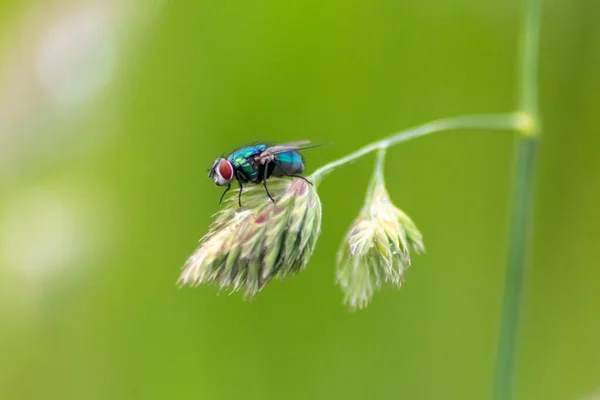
{"points": [[221, 172]]}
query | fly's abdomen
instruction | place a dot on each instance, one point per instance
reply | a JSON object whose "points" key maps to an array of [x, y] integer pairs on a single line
{"points": [[289, 163]]}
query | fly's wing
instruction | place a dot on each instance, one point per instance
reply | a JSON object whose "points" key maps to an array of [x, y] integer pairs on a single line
{"points": [[284, 148]]}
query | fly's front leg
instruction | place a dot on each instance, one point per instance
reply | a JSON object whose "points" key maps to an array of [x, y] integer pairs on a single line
{"points": [[223, 195]]}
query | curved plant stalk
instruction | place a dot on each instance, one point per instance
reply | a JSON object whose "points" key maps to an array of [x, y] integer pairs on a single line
{"points": [[507, 121]]}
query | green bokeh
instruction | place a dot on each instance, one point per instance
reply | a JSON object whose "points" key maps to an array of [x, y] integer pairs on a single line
{"points": [[206, 77]]}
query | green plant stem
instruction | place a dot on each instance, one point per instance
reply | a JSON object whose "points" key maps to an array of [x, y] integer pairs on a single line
{"points": [[506, 121], [379, 165], [520, 215], [529, 60], [377, 178], [515, 269]]}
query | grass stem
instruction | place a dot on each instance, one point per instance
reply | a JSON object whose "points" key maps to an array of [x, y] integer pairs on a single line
{"points": [[520, 215], [515, 269]]}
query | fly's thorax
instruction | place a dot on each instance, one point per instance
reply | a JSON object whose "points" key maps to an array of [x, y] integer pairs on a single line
{"points": [[246, 155], [247, 169]]}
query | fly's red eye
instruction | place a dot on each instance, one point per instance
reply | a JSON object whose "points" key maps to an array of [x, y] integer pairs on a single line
{"points": [[226, 170]]}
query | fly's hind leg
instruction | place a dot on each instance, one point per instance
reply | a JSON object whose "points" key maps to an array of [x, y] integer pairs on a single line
{"points": [[291, 175], [301, 177]]}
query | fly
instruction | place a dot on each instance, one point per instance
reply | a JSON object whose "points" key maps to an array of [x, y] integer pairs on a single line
{"points": [[255, 164]]}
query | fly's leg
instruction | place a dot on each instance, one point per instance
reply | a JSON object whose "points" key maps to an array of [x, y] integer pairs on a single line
{"points": [[267, 190], [240, 193], [223, 195], [265, 182], [291, 175], [301, 177]]}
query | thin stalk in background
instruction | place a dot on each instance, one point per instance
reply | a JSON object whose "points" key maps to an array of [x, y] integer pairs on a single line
{"points": [[520, 215]]}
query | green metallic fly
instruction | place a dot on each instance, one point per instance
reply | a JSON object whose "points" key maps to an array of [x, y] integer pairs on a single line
{"points": [[255, 164]]}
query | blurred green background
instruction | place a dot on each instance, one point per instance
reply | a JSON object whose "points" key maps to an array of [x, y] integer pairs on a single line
{"points": [[112, 112]]}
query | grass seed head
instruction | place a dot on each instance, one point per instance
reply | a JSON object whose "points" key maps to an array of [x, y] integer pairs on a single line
{"points": [[247, 247], [376, 249]]}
